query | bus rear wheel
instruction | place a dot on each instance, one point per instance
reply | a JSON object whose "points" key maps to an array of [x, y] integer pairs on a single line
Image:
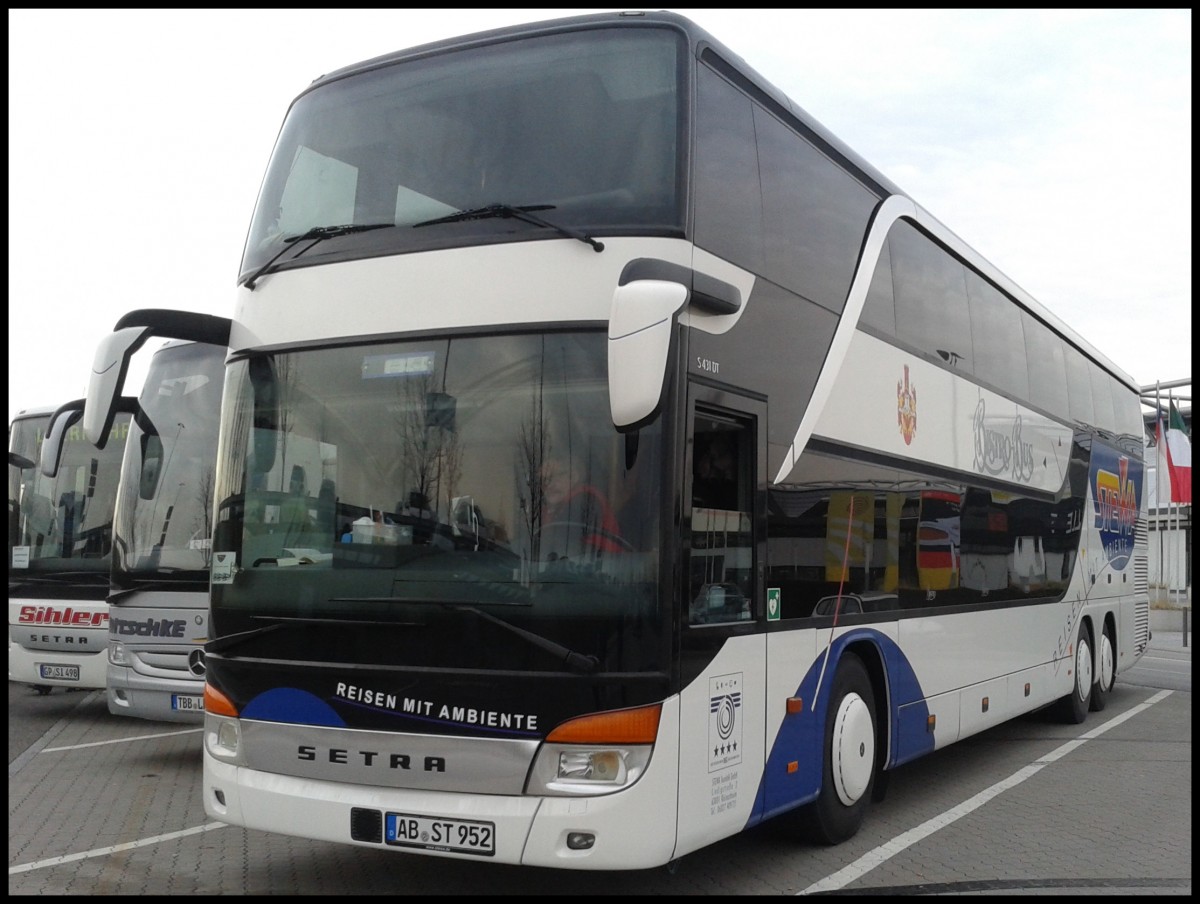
{"points": [[1073, 708], [848, 767], [1106, 670]]}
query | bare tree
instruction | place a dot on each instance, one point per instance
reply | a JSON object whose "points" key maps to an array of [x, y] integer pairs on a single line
{"points": [[533, 448]]}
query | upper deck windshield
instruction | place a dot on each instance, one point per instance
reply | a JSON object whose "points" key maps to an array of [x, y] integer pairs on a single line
{"points": [[164, 513], [62, 527], [449, 489], [581, 125]]}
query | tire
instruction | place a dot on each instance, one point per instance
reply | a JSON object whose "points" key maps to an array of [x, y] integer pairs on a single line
{"points": [[848, 758], [42, 689], [1073, 708], [1106, 670]]}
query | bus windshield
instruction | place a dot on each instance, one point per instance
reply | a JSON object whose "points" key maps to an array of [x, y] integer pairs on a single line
{"points": [[581, 127], [452, 488], [164, 512], [62, 525]]}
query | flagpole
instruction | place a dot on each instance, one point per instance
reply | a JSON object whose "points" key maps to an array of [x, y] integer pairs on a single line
{"points": [[1175, 506], [1170, 511], [1160, 437]]}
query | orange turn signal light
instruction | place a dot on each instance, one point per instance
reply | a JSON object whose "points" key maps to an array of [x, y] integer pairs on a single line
{"points": [[217, 703], [621, 726]]}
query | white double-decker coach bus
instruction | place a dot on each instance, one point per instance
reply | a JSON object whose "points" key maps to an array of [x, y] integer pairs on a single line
{"points": [[612, 460]]}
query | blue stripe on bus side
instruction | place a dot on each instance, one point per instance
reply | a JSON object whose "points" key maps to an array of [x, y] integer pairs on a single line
{"points": [[801, 736]]}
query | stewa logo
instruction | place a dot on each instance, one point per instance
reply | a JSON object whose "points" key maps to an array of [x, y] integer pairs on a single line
{"points": [[1116, 483], [724, 724], [906, 408]]}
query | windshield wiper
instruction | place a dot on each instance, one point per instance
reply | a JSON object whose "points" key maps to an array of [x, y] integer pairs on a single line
{"points": [[62, 578], [576, 662], [221, 644], [316, 234], [142, 585], [507, 211]]}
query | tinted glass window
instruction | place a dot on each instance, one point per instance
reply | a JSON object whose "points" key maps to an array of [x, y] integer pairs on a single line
{"points": [[164, 512], [879, 310], [1127, 409], [364, 483], [721, 557], [1079, 385], [1047, 367], [814, 215], [931, 298], [914, 544], [997, 337], [586, 122], [728, 201], [1102, 403], [63, 522]]}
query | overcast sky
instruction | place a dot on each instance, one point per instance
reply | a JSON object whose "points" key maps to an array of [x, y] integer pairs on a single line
{"points": [[1057, 143]]}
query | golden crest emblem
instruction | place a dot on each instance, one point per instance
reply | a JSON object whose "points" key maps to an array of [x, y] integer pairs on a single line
{"points": [[906, 408]]}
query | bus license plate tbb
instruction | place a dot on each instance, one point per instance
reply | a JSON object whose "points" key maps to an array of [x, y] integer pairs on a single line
{"points": [[460, 836]]}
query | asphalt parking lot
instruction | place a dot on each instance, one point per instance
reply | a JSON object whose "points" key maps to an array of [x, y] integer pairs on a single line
{"points": [[104, 805]]}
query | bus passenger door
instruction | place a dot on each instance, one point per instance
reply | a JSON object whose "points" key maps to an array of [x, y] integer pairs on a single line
{"points": [[722, 644]]}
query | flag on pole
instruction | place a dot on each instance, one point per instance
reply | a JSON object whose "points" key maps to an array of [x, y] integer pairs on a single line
{"points": [[1179, 456]]}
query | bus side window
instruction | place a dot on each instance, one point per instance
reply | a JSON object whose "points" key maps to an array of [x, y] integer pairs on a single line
{"points": [[714, 478], [721, 558]]}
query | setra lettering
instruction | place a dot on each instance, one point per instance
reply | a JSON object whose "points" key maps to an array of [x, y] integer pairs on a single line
{"points": [[343, 756]]}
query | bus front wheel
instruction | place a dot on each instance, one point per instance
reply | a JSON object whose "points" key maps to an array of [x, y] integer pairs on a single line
{"points": [[848, 768]]}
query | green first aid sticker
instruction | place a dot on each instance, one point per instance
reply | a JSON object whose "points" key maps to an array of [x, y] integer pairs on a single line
{"points": [[772, 604]]}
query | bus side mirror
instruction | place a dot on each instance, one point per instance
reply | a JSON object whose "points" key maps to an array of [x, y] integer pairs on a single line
{"points": [[56, 436], [108, 376], [640, 326]]}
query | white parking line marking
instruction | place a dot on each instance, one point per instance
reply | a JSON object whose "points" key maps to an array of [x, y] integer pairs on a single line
{"points": [[112, 849], [145, 737]]}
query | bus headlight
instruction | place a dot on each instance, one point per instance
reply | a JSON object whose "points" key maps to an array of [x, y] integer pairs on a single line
{"points": [[562, 770], [592, 765], [116, 653], [595, 753], [223, 738]]}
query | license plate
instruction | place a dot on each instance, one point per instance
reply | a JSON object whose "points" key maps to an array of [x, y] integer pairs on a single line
{"points": [[58, 672], [184, 704], [432, 833]]}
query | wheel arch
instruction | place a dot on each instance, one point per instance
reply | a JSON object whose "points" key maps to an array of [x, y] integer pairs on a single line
{"points": [[872, 657], [1110, 625], [1087, 622]]}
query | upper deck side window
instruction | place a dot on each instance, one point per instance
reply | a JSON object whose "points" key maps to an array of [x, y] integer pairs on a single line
{"points": [[768, 199], [928, 300]]}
